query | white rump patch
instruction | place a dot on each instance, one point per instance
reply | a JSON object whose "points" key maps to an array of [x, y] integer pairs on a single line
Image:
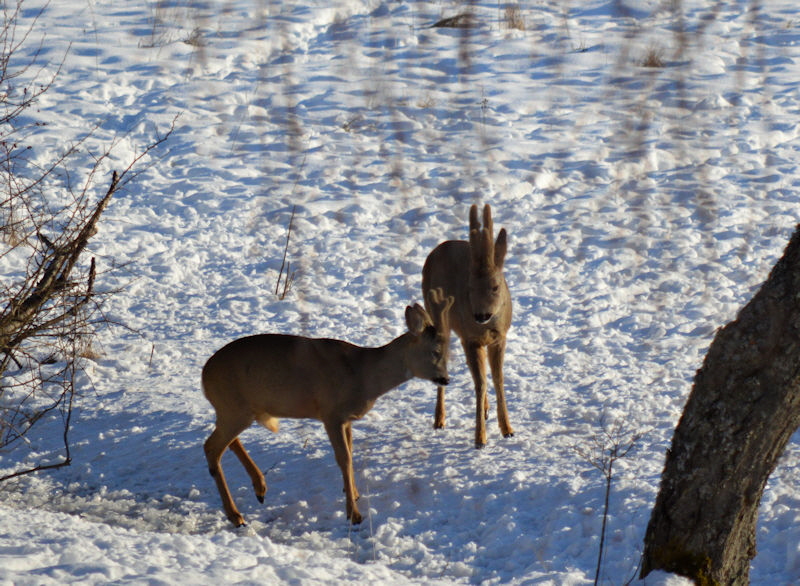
{"points": [[268, 421]]}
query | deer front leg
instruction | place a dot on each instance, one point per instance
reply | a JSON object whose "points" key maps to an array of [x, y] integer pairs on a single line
{"points": [[439, 415], [337, 433], [348, 429], [496, 354], [476, 361]]}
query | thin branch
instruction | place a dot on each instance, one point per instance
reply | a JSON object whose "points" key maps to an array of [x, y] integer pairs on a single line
{"points": [[607, 448], [283, 262]]}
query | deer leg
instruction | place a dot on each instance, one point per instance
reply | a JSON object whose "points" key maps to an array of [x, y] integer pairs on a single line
{"points": [[224, 433], [338, 435], [439, 414], [259, 484], [348, 429], [496, 354], [439, 417], [476, 361]]}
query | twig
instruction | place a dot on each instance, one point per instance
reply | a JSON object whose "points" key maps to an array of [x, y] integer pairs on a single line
{"points": [[288, 278], [610, 446], [69, 391]]}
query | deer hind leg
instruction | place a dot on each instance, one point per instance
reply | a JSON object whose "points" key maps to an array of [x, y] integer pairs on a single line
{"points": [[259, 484], [223, 435], [496, 354], [476, 361], [338, 434], [348, 430]]}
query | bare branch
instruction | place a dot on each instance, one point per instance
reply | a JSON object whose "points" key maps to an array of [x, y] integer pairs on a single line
{"points": [[49, 307]]}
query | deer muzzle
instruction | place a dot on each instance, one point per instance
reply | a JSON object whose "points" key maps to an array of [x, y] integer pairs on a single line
{"points": [[482, 318]]}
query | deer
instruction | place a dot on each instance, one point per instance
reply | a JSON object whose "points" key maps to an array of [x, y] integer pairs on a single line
{"points": [[472, 274], [264, 377]]}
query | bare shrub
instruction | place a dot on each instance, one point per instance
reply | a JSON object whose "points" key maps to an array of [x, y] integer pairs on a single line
{"points": [[50, 306], [602, 451]]}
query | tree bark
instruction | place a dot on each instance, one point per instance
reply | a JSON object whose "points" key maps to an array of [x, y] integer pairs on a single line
{"points": [[743, 409]]}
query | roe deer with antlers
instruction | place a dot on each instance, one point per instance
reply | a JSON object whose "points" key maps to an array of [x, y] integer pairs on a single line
{"points": [[264, 377], [472, 273]]}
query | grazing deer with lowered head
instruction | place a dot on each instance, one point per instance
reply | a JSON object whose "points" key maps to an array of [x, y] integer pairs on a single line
{"points": [[264, 377], [472, 273]]}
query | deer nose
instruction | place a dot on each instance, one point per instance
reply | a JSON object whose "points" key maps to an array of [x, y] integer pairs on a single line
{"points": [[442, 380], [482, 318]]}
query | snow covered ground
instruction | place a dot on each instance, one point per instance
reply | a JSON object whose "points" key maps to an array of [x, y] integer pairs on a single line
{"points": [[644, 205]]}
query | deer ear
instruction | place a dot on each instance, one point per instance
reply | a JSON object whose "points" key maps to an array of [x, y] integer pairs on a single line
{"points": [[416, 319], [500, 248]]}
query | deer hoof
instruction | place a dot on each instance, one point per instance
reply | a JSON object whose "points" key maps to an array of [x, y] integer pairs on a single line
{"points": [[509, 434], [260, 498], [479, 446]]}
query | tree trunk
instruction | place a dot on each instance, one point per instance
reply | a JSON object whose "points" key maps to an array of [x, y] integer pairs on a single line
{"points": [[741, 413]]}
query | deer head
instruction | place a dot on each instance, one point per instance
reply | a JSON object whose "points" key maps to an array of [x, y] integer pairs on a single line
{"points": [[487, 288], [429, 352]]}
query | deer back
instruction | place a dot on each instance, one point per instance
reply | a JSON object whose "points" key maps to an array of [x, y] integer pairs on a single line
{"points": [[283, 375]]}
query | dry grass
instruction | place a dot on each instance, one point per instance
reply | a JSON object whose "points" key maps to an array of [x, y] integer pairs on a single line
{"points": [[653, 58], [88, 351], [427, 101], [514, 18]]}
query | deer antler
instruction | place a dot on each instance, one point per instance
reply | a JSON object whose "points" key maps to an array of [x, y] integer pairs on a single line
{"points": [[481, 238], [488, 225], [440, 309]]}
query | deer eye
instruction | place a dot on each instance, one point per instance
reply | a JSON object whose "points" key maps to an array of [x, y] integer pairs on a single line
{"points": [[496, 288]]}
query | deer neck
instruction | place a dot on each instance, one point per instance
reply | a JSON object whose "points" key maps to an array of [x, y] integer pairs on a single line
{"points": [[388, 367]]}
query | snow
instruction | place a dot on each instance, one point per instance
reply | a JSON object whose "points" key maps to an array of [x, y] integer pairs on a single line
{"points": [[644, 207]]}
